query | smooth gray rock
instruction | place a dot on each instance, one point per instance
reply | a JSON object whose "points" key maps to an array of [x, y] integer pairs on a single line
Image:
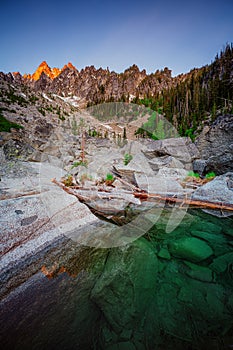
{"points": [[173, 173], [180, 148], [166, 161], [138, 165], [2, 156], [47, 211], [157, 184], [100, 201], [219, 190]]}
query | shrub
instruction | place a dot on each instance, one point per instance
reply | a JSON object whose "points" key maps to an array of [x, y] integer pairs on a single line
{"points": [[16, 98], [193, 174], [190, 133], [210, 175], [109, 179], [6, 125], [68, 180], [33, 99], [41, 110], [79, 163], [127, 158]]}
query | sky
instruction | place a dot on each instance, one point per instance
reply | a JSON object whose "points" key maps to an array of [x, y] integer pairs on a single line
{"points": [[177, 34]]}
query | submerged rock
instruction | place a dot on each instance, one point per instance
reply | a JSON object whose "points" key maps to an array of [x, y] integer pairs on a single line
{"points": [[126, 288], [217, 242], [206, 226], [221, 263], [198, 272], [191, 249], [164, 254]]}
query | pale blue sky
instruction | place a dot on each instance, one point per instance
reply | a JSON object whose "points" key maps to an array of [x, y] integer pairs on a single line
{"points": [[152, 34]]}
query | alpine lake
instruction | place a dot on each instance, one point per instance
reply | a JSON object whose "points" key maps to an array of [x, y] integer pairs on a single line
{"points": [[163, 291]]}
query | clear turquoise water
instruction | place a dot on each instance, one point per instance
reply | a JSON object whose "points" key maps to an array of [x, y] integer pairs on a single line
{"points": [[164, 291]]}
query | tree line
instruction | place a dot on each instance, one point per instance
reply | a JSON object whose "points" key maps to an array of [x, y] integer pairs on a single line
{"points": [[197, 97]]}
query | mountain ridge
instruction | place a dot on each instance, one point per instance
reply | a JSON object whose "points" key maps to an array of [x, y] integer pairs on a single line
{"points": [[188, 101], [52, 73], [95, 85]]}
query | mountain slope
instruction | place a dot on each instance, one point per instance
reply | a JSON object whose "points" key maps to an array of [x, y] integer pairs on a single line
{"points": [[198, 97]]}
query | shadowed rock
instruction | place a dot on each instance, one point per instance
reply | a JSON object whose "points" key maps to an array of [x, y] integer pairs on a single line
{"points": [[215, 145]]}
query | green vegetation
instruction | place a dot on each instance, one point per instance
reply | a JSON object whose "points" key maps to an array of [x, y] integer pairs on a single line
{"points": [[109, 177], [102, 89], [197, 98], [49, 108], [190, 133], [210, 175], [79, 163], [156, 128], [6, 125], [74, 126], [33, 99], [93, 133], [7, 109], [193, 174], [41, 110], [68, 180], [127, 158], [13, 98]]}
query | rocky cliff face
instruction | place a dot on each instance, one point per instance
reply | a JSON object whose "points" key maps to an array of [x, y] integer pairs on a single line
{"points": [[216, 146], [50, 72]]}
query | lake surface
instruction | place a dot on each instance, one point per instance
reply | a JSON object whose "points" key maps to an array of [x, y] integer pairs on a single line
{"points": [[163, 291]]}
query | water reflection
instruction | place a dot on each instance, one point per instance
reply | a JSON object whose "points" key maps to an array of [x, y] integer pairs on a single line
{"points": [[164, 291]]}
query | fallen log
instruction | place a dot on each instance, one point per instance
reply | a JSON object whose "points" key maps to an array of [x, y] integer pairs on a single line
{"points": [[94, 195], [133, 187], [140, 194], [190, 202], [70, 190]]}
